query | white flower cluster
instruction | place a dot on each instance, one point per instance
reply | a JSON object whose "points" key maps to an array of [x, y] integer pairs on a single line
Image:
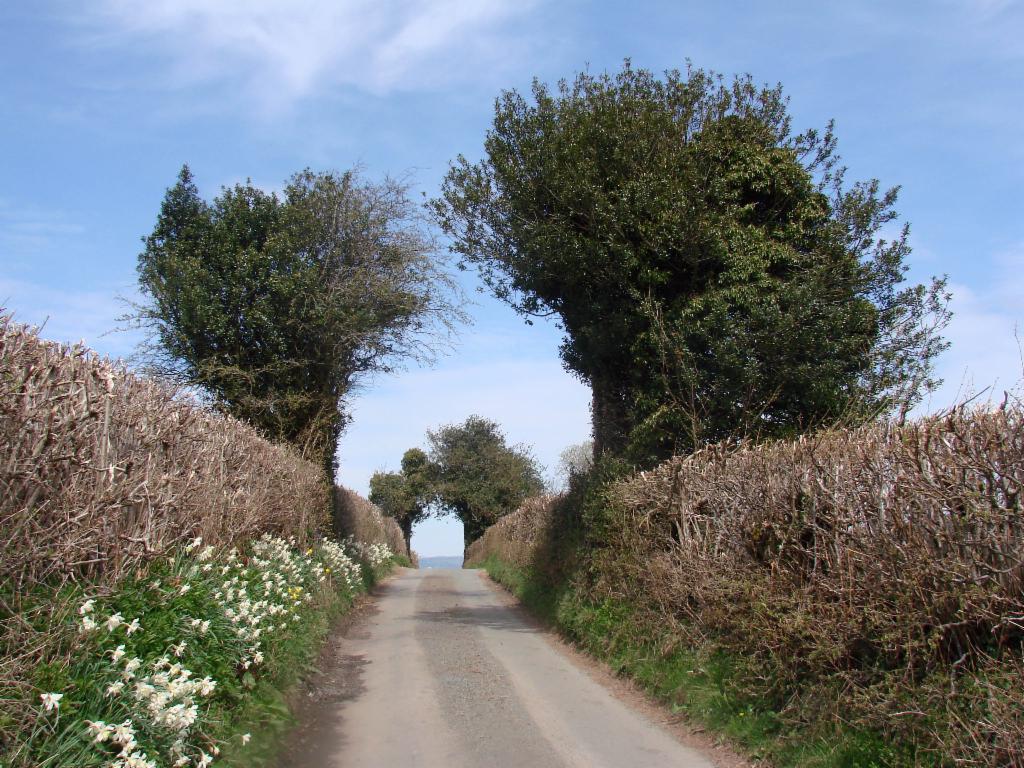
{"points": [[111, 623], [263, 595], [167, 695], [374, 554], [337, 563], [122, 734], [258, 595]]}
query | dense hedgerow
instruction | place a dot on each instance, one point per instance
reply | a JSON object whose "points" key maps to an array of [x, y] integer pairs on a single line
{"points": [[102, 469], [157, 670], [124, 641], [863, 585], [361, 520]]}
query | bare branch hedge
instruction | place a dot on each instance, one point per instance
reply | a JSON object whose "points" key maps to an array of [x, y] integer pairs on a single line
{"points": [[101, 469], [873, 576], [514, 537], [361, 518], [887, 558]]}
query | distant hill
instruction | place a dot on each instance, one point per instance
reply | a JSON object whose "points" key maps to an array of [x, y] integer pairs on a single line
{"points": [[447, 561]]}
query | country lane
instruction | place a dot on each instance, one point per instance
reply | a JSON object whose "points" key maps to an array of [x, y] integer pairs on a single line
{"points": [[445, 673]]}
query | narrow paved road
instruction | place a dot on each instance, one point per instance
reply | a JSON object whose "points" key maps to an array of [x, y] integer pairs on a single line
{"points": [[445, 674]]}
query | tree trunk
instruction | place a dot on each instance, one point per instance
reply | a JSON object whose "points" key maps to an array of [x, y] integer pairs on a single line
{"points": [[406, 526], [471, 531], [609, 415], [330, 457]]}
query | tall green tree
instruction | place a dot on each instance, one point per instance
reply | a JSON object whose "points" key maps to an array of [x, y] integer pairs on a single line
{"points": [[405, 496], [712, 272], [478, 476], [275, 307]]}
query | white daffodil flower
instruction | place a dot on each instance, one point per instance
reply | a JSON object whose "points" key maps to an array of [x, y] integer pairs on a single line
{"points": [[99, 730], [124, 732]]}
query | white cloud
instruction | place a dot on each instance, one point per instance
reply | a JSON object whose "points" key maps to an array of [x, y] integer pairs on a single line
{"points": [[984, 350], [25, 230], [284, 51], [69, 316]]}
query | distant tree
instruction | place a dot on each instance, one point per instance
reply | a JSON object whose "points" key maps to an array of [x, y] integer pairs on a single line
{"points": [[713, 274], [406, 496], [276, 307], [478, 476], [576, 460]]}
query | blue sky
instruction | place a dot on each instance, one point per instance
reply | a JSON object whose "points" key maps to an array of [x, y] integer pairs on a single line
{"points": [[103, 101]]}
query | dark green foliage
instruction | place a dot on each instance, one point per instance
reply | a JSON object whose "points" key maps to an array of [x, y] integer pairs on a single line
{"points": [[405, 495], [276, 307], [712, 273], [478, 476]]}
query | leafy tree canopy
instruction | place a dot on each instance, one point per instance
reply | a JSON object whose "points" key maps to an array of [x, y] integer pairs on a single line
{"points": [[478, 476], [713, 273], [407, 495], [276, 307]]}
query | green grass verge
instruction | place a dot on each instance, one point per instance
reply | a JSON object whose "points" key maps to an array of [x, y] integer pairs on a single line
{"points": [[702, 683]]}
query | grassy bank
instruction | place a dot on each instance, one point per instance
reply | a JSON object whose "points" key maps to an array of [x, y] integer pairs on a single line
{"points": [[187, 662], [703, 683]]}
